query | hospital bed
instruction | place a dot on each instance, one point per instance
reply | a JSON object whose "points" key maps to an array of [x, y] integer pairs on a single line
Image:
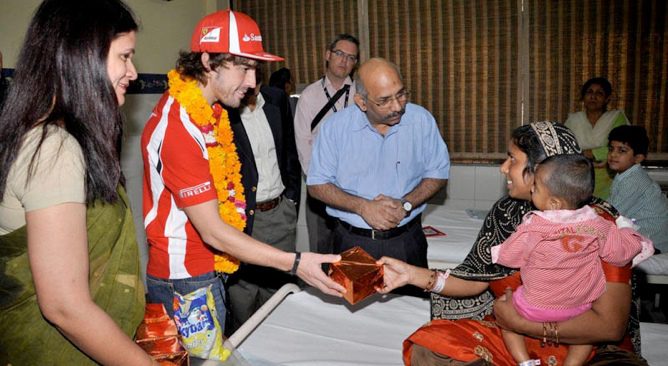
{"points": [[308, 328]]}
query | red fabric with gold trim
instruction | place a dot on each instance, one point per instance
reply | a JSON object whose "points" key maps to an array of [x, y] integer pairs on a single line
{"points": [[468, 340]]}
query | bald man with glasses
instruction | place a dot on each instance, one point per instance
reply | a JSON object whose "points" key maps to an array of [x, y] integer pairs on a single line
{"points": [[375, 166], [330, 94]]}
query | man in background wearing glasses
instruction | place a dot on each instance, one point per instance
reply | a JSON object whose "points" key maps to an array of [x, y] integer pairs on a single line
{"points": [[330, 94], [375, 166]]}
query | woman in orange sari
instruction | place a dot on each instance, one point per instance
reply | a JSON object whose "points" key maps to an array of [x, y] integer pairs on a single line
{"points": [[467, 320]]}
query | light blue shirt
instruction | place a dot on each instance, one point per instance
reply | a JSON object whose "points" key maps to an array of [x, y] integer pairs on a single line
{"points": [[355, 157], [635, 195]]}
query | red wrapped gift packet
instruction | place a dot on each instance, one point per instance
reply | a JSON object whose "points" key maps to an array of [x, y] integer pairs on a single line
{"points": [[176, 359], [158, 336], [160, 347], [358, 272], [156, 323]]}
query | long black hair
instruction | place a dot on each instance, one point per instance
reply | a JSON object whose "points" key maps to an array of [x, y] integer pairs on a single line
{"points": [[61, 79]]}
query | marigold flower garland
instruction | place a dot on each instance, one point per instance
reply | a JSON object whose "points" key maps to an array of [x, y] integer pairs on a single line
{"points": [[224, 162]]}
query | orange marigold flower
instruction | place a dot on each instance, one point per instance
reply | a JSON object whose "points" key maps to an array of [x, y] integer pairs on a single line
{"points": [[224, 162]]}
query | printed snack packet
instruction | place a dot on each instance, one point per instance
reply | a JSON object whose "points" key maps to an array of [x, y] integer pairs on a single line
{"points": [[196, 321]]}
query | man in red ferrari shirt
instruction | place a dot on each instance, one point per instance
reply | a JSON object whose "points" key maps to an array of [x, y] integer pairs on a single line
{"points": [[181, 200]]}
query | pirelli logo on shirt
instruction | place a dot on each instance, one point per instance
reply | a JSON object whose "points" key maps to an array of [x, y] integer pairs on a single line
{"points": [[194, 191]]}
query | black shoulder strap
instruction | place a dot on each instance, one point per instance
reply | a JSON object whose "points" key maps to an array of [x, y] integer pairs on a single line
{"points": [[328, 105]]}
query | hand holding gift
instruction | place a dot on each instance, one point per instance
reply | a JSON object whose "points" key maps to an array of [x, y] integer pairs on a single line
{"points": [[396, 274], [358, 273]]}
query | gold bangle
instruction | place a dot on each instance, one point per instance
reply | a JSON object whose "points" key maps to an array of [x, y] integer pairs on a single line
{"points": [[556, 335], [550, 334]]}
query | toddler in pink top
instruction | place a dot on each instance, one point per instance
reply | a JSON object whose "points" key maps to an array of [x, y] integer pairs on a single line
{"points": [[559, 251]]}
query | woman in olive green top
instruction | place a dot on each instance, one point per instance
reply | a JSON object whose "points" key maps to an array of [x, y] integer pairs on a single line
{"points": [[592, 126], [70, 286]]}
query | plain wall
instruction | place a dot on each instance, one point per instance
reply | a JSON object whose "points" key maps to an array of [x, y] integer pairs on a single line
{"points": [[165, 28]]}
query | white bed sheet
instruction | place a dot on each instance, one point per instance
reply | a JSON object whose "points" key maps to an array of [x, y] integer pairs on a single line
{"points": [[654, 338], [313, 329], [461, 231], [310, 328]]}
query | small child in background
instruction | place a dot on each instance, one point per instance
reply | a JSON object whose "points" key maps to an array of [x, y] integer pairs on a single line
{"points": [[633, 192], [559, 250]]}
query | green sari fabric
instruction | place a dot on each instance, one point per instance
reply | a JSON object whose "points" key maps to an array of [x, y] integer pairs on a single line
{"points": [[26, 338]]}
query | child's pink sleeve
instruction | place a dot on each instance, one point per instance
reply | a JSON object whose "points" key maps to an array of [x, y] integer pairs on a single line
{"points": [[515, 250], [624, 245]]}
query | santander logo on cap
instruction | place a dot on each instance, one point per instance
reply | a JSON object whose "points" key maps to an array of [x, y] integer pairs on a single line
{"points": [[252, 38]]}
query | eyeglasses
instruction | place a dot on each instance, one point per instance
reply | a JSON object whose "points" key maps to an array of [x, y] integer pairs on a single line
{"points": [[341, 54], [401, 97]]}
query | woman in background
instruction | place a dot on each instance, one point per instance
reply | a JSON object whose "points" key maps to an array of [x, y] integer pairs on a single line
{"points": [[69, 270], [592, 126]]}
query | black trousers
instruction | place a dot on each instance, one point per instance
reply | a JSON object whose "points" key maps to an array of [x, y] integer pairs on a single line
{"points": [[320, 226]]}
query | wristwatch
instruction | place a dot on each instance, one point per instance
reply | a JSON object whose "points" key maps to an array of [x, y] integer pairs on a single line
{"points": [[408, 207]]}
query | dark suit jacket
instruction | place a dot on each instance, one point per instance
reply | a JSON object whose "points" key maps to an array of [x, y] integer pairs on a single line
{"points": [[286, 152]]}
